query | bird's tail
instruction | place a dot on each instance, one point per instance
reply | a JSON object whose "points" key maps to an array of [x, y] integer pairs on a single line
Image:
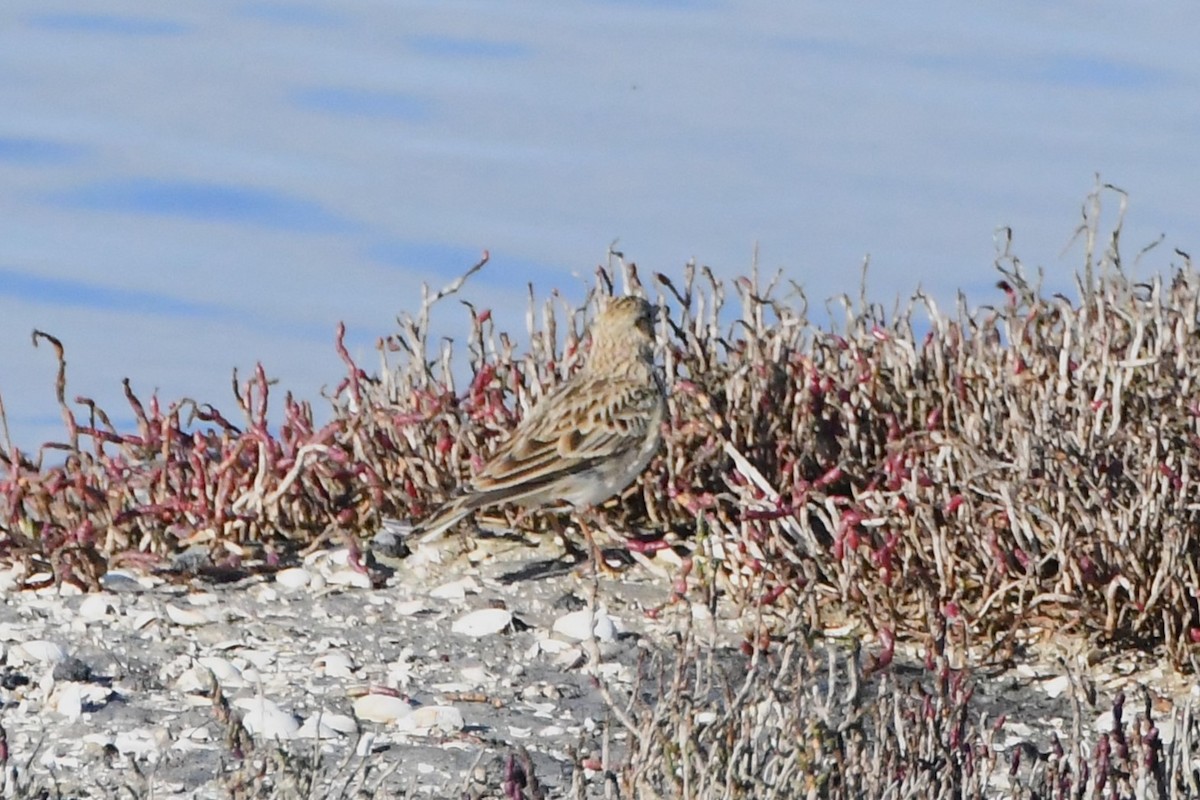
{"points": [[445, 518]]}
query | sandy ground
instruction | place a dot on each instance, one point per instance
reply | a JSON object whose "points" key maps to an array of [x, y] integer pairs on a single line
{"points": [[442, 675], [445, 679]]}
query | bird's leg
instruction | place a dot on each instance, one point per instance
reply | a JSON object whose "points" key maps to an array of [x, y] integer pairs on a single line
{"points": [[594, 552], [591, 645], [571, 550], [596, 557]]}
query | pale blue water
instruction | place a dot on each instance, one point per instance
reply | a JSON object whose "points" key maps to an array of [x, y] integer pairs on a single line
{"points": [[189, 187]]}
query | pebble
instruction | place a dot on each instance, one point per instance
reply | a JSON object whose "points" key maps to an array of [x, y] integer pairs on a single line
{"points": [[72, 669]]}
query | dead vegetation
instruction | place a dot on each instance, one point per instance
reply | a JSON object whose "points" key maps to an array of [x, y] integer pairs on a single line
{"points": [[810, 721], [988, 476]]}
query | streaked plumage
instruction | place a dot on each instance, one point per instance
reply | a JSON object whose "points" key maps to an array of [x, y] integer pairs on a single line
{"points": [[588, 438]]}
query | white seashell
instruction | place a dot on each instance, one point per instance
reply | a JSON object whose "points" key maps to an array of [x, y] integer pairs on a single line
{"points": [[668, 555], [400, 673], [118, 580], [482, 622], [95, 696], [1056, 686], [199, 733], [37, 650], [519, 732], [342, 723], [605, 627], [455, 590], [228, 675], [96, 607], [327, 726], [293, 578], [543, 710], [349, 577], [551, 730], [10, 578], [262, 659], [71, 698], [96, 740], [570, 658], [41, 579], [143, 620], [187, 617], [427, 719], [408, 608], [335, 664], [575, 625], [614, 671], [386, 708], [190, 746], [203, 599], [139, 742], [1020, 729], [476, 676], [548, 646], [264, 718], [706, 717], [194, 681], [452, 687], [67, 700]]}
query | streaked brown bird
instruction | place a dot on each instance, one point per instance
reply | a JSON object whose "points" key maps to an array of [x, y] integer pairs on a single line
{"points": [[584, 441]]}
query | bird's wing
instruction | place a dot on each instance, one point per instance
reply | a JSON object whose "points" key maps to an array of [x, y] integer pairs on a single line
{"points": [[581, 423]]}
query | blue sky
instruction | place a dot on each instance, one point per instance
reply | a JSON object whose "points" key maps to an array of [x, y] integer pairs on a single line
{"points": [[201, 187]]}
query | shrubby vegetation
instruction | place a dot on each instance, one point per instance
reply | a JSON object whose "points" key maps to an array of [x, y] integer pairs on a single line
{"points": [[971, 480]]}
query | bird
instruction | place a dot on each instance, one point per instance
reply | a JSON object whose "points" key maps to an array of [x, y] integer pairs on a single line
{"points": [[587, 439]]}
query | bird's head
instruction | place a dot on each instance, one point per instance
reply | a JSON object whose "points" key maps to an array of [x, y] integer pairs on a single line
{"points": [[623, 331]]}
